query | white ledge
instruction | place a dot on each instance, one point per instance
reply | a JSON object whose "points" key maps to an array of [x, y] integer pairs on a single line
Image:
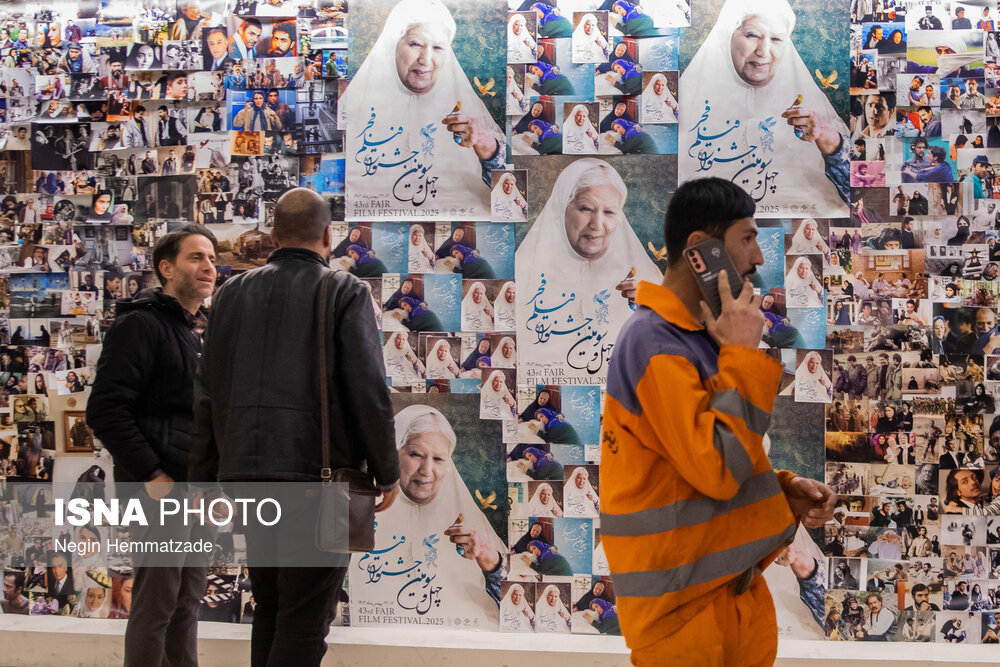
{"points": [[36, 641]]}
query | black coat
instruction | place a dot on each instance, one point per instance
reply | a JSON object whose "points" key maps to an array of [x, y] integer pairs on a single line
{"points": [[257, 405], [141, 403]]}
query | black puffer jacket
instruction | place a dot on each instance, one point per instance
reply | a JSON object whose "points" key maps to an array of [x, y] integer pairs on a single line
{"points": [[257, 407], [141, 403]]}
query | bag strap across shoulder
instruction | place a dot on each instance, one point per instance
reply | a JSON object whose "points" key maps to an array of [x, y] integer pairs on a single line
{"points": [[324, 390]]}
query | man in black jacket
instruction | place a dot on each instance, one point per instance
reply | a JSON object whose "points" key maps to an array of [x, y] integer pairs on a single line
{"points": [[264, 325], [141, 409]]}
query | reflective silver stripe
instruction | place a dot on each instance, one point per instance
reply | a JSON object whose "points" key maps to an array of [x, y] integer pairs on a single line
{"points": [[688, 512], [730, 402], [707, 568], [735, 456]]}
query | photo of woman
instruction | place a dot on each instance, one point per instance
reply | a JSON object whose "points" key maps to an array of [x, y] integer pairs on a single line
{"points": [[477, 311], [579, 495], [421, 257], [515, 611], [441, 365], [747, 69], [410, 85], [580, 137], [505, 355], [590, 44], [802, 288], [402, 364], [450, 554], [509, 205], [658, 103], [580, 244], [812, 384], [543, 502], [505, 308], [495, 399], [551, 614]]}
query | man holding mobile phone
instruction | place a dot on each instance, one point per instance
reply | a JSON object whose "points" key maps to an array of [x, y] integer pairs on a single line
{"points": [[691, 510]]}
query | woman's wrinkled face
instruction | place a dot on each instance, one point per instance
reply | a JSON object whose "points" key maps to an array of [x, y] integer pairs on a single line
{"points": [[484, 346], [507, 349], [812, 364], [658, 86], [420, 53], [509, 294], [802, 270], [515, 593], [442, 352], [581, 479], [399, 341], [599, 588], [591, 218], [580, 117], [536, 529], [406, 287], [423, 463], [588, 26], [551, 597], [508, 185], [545, 495], [416, 236], [478, 294], [757, 47], [497, 382], [516, 27]]}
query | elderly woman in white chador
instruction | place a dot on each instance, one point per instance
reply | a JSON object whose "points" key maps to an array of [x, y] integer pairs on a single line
{"points": [[580, 137], [440, 364], [589, 45], [751, 112], [567, 268], [515, 612], [807, 241], [504, 305], [802, 288], [435, 513], [517, 102], [421, 255], [505, 355], [402, 364], [420, 140], [812, 384], [520, 44], [495, 399], [509, 205], [658, 104], [477, 311], [579, 496]]}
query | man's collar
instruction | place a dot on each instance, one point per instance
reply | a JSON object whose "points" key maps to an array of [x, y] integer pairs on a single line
{"points": [[666, 304]]}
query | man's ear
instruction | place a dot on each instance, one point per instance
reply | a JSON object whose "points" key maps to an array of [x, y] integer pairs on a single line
{"points": [[694, 238]]}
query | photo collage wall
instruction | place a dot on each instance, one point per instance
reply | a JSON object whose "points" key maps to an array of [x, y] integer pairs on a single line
{"points": [[498, 173]]}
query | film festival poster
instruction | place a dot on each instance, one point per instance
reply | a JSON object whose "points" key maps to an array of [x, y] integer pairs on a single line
{"points": [[734, 111], [569, 310], [402, 160], [452, 489]]}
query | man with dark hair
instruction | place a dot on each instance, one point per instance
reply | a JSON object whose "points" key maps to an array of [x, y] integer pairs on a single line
{"points": [[274, 307], [283, 41], [168, 132], [922, 598], [960, 22], [939, 170], [243, 44], [914, 168], [930, 125], [689, 401], [284, 112], [14, 601], [141, 409]]}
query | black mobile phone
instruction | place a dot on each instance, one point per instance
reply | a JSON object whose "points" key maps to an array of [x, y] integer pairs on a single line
{"points": [[706, 260]]}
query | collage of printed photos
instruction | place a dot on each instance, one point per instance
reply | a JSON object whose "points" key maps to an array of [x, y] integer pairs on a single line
{"points": [[499, 234]]}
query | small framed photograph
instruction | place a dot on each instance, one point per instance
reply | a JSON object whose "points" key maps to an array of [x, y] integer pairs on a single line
{"points": [[79, 437]]}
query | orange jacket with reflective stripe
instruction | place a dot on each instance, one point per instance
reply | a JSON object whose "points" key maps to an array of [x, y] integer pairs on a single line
{"points": [[688, 497]]}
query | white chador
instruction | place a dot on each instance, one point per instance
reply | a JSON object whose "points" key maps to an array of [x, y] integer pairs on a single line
{"points": [[402, 162], [658, 104], [580, 137], [520, 45], [415, 571], [568, 310], [734, 130], [589, 45]]}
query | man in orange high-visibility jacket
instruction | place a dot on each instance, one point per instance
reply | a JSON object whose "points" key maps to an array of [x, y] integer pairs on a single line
{"points": [[691, 509]]}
